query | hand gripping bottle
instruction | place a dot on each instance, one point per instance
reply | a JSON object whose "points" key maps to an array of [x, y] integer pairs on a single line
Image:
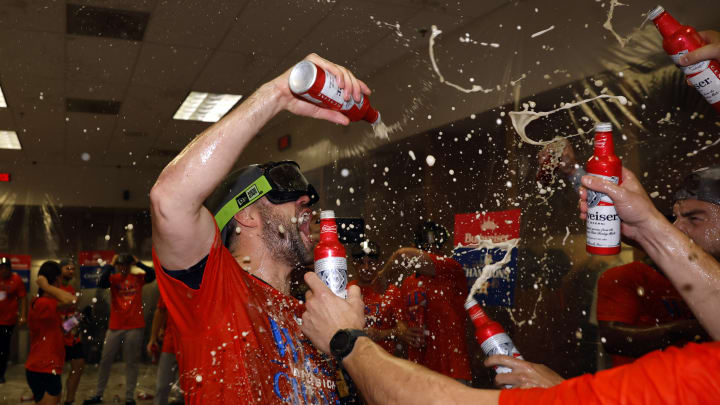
{"points": [[312, 83], [679, 40], [603, 222], [491, 335], [330, 261]]}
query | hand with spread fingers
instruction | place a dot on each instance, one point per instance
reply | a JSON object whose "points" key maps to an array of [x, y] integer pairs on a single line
{"points": [[709, 51], [524, 373], [326, 313]]}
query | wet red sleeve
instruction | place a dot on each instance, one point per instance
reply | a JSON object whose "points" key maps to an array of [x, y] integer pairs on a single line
{"points": [[673, 377], [617, 298]]}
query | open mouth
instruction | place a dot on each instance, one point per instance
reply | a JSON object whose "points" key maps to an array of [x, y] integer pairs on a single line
{"points": [[303, 220]]}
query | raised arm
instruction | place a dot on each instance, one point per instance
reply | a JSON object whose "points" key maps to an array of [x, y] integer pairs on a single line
{"points": [[405, 262], [64, 298], [693, 272], [183, 229]]}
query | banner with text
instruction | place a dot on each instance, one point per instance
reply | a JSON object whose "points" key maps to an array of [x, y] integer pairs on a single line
{"points": [[21, 266], [90, 262], [489, 242]]}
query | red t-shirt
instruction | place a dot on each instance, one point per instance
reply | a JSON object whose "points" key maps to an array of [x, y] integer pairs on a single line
{"points": [[47, 348], [637, 295], [381, 311], [72, 337], [11, 290], [126, 306], [449, 269], [240, 339], [169, 338], [445, 349], [673, 376]]}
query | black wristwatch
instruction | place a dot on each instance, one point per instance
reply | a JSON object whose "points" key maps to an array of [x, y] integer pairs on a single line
{"points": [[343, 342]]}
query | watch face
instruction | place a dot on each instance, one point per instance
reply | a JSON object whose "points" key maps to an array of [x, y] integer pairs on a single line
{"points": [[339, 343]]}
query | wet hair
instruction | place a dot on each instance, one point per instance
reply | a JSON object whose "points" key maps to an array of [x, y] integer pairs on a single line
{"points": [[51, 271], [703, 185]]}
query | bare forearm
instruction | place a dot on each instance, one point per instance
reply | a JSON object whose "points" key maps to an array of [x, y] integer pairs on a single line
{"points": [[157, 322], [24, 307], [418, 385], [199, 168], [693, 272]]}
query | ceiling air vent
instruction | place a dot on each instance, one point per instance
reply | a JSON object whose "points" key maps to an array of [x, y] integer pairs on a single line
{"points": [[106, 22], [80, 105]]}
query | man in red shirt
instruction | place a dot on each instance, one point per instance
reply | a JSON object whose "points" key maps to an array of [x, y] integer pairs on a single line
{"points": [[44, 364], [163, 330], [434, 289], [383, 301], [127, 322], [12, 296], [225, 278], [674, 376], [74, 352]]}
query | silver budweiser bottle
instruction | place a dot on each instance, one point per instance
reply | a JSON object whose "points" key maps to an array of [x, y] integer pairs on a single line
{"points": [[312, 83], [330, 261]]}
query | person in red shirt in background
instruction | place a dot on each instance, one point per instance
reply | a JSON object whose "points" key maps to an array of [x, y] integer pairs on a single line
{"points": [[12, 296], [383, 302], [674, 376], [127, 322], [224, 265], [163, 330], [44, 364], [639, 310], [434, 289], [74, 352]]}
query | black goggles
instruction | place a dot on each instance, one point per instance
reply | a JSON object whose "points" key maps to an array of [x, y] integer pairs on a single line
{"points": [[281, 182]]}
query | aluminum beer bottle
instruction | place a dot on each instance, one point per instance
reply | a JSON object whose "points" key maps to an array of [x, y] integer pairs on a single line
{"points": [[679, 40], [491, 335], [603, 222], [312, 83], [330, 261]]}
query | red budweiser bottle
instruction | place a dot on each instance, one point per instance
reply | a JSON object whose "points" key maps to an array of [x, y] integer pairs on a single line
{"points": [[312, 83], [491, 335], [330, 261], [679, 40], [603, 222]]}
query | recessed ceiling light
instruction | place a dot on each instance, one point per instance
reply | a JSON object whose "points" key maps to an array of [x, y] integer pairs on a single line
{"points": [[9, 140], [3, 103], [206, 107]]}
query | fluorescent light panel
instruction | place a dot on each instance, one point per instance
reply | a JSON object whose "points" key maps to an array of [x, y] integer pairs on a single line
{"points": [[9, 140], [206, 107], [3, 103]]}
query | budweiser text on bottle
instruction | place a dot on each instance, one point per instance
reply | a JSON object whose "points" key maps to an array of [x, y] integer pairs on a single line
{"points": [[603, 222], [330, 261], [312, 83], [491, 335], [679, 40]]}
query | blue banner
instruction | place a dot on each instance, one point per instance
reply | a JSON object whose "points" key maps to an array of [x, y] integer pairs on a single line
{"points": [[500, 291], [89, 276], [25, 276]]}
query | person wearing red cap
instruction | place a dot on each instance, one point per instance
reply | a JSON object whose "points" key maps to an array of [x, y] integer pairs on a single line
{"points": [[674, 376], [12, 297]]}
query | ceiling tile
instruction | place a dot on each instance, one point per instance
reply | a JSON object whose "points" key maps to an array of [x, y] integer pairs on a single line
{"points": [[196, 24], [30, 53], [148, 109], [100, 60], [94, 90], [273, 28], [87, 133], [169, 66], [33, 15], [235, 73], [133, 5], [42, 134]]}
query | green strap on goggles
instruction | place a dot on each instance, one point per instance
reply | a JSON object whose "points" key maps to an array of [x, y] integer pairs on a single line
{"points": [[249, 195]]}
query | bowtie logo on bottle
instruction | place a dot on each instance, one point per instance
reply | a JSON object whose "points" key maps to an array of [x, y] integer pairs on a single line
{"points": [[330, 261]]}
